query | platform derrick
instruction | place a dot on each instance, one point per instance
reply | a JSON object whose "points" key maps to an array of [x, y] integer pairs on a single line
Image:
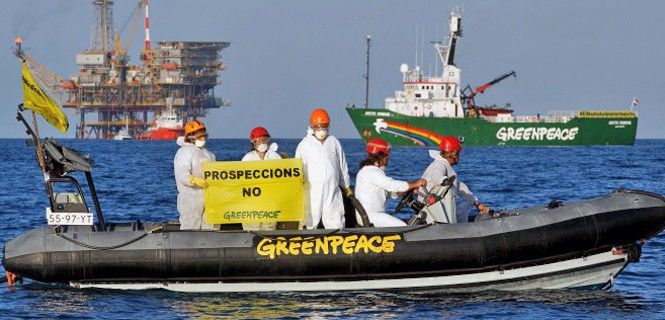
{"points": [[174, 81]]}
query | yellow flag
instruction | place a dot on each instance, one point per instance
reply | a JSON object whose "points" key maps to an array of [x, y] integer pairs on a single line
{"points": [[254, 191], [35, 99]]}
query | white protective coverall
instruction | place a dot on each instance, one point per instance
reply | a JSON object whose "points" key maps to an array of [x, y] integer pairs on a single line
{"points": [[325, 169], [271, 154], [438, 170], [372, 186], [188, 162]]}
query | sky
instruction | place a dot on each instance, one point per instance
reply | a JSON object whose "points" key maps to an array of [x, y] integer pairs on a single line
{"points": [[288, 57]]}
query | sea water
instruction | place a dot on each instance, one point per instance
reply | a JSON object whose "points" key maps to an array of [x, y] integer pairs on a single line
{"points": [[134, 180]]}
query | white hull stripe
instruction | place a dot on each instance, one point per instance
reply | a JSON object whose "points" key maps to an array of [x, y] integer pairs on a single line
{"points": [[593, 271]]}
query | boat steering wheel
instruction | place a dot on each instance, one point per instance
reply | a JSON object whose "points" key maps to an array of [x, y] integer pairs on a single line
{"points": [[407, 200]]}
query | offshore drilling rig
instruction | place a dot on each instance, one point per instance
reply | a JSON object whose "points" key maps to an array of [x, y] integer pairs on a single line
{"points": [[174, 83]]}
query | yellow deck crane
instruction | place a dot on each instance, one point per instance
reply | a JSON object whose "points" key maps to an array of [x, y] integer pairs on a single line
{"points": [[122, 46]]}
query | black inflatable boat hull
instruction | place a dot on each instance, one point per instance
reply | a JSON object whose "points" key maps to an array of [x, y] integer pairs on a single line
{"points": [[577, 245]]}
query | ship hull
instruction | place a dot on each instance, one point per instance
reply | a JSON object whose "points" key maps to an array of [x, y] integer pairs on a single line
{"points": [[403, 130], [162, 134]]}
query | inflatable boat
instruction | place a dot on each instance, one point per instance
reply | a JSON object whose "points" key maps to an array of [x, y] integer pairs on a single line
{"points": [[583, 244]]}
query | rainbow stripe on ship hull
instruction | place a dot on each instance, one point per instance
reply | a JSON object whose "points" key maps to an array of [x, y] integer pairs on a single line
{"points": [[419, 136]]}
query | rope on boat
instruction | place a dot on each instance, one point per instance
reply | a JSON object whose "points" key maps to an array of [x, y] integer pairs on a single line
{"points": [[85, 245], [102, 248], [124, 244]]}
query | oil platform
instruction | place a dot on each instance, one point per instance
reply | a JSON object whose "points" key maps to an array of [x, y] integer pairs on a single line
{"points": [[175, 81]]}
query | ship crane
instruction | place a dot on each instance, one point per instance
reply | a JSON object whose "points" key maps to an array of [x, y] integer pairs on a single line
{"points": [[468, 94]]}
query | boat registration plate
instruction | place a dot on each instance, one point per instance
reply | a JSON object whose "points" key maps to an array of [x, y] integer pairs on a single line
{"points": [[68, 218]]}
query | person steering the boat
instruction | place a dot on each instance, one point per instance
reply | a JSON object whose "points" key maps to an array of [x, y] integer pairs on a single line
{"points": [[261, 149], [372, 185], [325, 169], [442, 167], [188, 169]]}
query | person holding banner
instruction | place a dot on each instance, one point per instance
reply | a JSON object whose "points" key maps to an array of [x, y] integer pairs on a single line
{"points": [[260, 139], [372, 184], [261, 147], [188, 169], [324, 164]]}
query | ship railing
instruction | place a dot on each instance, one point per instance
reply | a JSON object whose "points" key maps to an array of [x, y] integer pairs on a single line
{"points": [[562, 113], [556, 119], [396, 100], [530, 119]]}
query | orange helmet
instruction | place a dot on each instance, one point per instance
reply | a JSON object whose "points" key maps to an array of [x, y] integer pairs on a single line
{"points": [[193, 126], [376, 146], [450, 143], [319, 116]]}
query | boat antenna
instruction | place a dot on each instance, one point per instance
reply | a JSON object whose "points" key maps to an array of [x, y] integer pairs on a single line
{"points": [[436, 61], [369, 41], [415, 60], [422, 46]]}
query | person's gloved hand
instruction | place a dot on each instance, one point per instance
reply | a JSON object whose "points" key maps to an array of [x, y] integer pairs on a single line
{"points": [[482, 208], [348, 192], [199, 182]]}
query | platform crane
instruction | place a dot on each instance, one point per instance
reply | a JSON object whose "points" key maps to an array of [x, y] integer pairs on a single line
{"points": [[59, 87]]}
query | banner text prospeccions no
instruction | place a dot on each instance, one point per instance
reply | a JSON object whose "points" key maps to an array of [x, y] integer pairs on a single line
{"points": [[254, 191]]}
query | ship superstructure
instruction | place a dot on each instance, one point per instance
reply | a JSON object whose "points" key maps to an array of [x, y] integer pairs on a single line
{"points": [[437, 96], [175, 80]]}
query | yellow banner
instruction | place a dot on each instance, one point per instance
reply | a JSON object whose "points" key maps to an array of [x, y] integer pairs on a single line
{"points": [[35, 99], [254, 191]]}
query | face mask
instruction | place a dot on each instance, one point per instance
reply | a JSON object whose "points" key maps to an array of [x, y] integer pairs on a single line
{"points": [[201, 143], [321, 134], [262, 147]]}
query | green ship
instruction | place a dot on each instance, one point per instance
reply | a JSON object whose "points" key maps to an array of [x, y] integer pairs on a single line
{"points": [[432, 107]]}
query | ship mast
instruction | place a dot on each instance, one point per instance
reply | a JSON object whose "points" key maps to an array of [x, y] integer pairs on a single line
{"points": [[366, 76], [455, 33]]}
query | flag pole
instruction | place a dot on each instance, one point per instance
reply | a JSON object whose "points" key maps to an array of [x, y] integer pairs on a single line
{"points": [[633, 104], [40, 155]]}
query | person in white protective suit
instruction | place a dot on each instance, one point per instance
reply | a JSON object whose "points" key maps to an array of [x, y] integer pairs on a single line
{"points": [[325, 169], [261, 150], [188, 169], [441, 168], [372, 185]]}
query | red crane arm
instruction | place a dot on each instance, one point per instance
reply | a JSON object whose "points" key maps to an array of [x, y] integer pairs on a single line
{"points": [[488, 85]]}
